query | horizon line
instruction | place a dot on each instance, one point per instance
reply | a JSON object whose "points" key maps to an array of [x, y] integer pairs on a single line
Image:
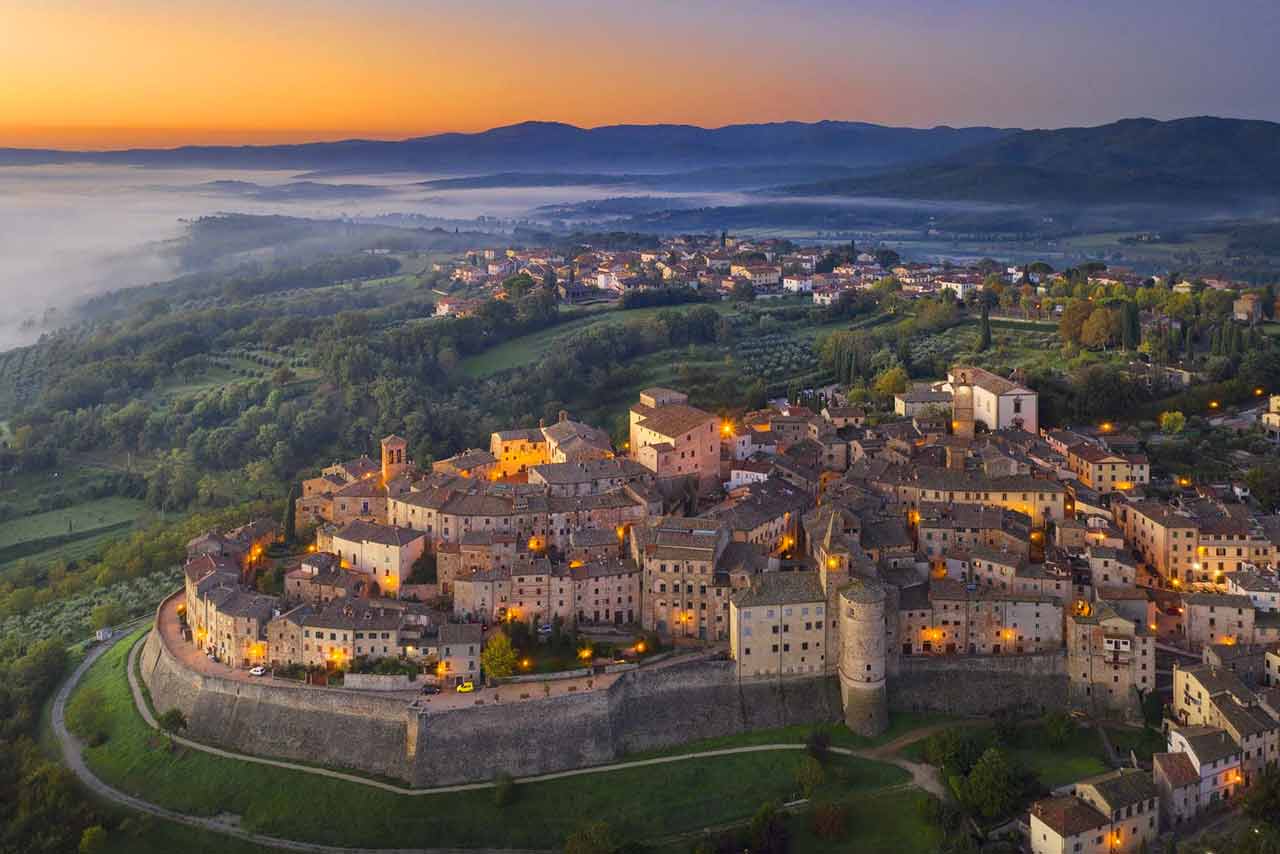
{"points": [[338, 137]]}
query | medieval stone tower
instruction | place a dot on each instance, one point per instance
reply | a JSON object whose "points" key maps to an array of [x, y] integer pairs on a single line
{"points": [[862, 657], [962, 417], [393, 459]]}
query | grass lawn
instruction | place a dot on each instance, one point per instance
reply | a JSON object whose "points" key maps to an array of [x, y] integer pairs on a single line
{"points": [[900, 723], [640, 803], [888, 822], [1143, 742], [132, 833], [1081, 756], [80, 518]]}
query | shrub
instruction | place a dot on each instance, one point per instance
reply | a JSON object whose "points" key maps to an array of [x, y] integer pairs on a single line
{"points": [[809, 776], [1058, 727], [769, 830], [830, 821], [504, 789], [87, 716], [172, 721], [818, 744], [93, 840], [593, 838]]}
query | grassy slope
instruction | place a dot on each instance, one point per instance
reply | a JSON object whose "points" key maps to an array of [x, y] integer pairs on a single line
{"points": [[1080, 757], [83, 518], [646, 802], [1144, 742], [879, 823]]}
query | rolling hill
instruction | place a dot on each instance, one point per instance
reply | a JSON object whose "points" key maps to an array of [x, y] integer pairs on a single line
{"points": [[1135, 160], [554, 146]]}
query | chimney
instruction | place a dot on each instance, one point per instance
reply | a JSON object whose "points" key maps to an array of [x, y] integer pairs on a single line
{"points": [[564, 415]]}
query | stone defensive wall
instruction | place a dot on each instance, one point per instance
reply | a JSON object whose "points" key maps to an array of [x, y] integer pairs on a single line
{"points": [[645, 709], [979, 685]]}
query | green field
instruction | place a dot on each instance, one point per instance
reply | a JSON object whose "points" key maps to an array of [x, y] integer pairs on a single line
{"points": [[72, 533], [879, 823], [81, 518], [642, 803]]}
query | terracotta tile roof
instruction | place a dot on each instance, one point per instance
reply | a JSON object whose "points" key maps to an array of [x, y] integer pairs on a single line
{"points": [[1068, 816], [1176, 768]]}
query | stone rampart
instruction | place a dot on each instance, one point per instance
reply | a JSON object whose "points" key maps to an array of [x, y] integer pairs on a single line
{"points": [[644, 709], [332, 727], [979, 684]]}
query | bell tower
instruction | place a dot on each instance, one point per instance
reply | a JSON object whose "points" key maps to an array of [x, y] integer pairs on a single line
{"points": [[962, 418], [393, 459]]}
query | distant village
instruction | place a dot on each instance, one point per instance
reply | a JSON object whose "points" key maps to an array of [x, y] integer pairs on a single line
{"points": [[771, 267]]}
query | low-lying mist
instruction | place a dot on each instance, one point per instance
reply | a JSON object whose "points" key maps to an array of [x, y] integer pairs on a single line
{"points": [[72, 231]]}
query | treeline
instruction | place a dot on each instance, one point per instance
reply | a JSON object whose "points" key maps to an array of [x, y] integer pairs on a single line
{"points": [[650, 297], [320, 274], [41, 805], [858, 356]]}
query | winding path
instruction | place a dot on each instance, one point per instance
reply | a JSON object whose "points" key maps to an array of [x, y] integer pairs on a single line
{"points": [[924, 776]]}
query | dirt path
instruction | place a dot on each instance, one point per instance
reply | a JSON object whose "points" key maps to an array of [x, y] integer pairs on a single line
{"points": [[73, 757], [924, 776]]}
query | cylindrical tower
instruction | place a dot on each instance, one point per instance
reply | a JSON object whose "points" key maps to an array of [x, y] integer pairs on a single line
{"points": [[862, 658]]}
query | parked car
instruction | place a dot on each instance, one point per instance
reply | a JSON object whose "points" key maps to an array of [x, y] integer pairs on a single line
{"points": [[258, 671], [544, 629], [466, 687], [431, 689]]}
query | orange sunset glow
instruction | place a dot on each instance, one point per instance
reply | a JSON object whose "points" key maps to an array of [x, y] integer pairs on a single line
{"points": [[117, 73], [151, 74]]}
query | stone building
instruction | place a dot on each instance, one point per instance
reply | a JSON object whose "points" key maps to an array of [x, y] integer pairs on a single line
{"points": [[1216, 618], [385, 553], [944, 527], [689, 568], [1114, 812], [320, 578], [1199, 541], [1106, 471], [995, 402], [946, 617], [777, 626], [674, 440], [1111, 661]]}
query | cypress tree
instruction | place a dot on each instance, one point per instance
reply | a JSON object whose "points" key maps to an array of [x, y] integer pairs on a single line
{"points": [[984, 343], [289, 518]]}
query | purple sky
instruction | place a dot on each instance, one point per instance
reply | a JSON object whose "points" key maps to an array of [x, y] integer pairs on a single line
{"points": [[167, 71]]}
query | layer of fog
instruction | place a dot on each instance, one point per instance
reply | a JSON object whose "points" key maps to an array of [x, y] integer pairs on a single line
{"points": [[72, 231]]}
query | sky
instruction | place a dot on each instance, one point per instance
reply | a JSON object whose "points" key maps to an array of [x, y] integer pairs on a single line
{"points": [[115, 74]]}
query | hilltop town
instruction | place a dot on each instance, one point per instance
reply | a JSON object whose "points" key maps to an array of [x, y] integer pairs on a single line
{"points": [[807, 543]]}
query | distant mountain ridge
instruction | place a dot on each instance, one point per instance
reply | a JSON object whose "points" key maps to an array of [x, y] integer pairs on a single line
{"points": [[1195, 159], [556, 146]]}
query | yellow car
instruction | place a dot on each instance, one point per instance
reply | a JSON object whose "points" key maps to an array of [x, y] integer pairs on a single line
{"points": [[466, 687]]}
